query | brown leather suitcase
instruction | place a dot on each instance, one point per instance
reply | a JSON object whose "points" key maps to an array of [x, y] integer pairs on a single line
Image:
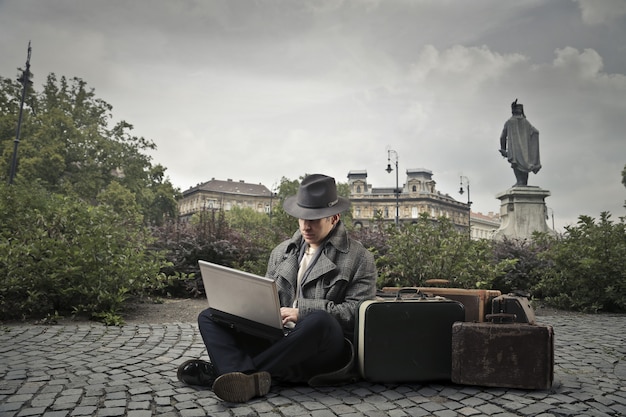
{"points": [[506, 355], [477, 303]]}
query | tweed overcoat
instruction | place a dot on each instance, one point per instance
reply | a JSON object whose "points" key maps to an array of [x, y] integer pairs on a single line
{"points": [[343, 276]]}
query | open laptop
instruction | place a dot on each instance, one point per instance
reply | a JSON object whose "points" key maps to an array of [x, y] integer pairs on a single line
{"points": [[243, 301]]}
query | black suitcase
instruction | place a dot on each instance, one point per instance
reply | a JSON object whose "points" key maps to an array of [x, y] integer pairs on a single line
{"points": [[516, 305], [406, 339]]}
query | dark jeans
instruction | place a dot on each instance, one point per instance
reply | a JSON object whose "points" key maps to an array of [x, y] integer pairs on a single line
{"points": [[314, 346]]}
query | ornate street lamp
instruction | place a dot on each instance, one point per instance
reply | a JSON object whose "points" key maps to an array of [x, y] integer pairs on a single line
{"points": [[396, 190], [469, 203]]}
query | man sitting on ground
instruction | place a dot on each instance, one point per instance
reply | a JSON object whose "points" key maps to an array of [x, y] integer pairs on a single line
{"points": [[322, 275]]}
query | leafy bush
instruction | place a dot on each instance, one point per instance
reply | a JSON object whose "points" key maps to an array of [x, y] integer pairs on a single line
{"points": [[430, 249], [527, 263], [589, 272], [240, 238], [60, 254], [374, 239]]}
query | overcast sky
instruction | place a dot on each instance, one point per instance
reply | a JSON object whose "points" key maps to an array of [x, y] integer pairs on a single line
{"points": [[260, 90]]}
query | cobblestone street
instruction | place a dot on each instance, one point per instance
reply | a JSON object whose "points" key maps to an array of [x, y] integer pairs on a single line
{"points": [[93, 370]]}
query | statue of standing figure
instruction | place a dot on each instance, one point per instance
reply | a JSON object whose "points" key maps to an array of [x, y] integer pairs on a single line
{"points": [[519, 143]]}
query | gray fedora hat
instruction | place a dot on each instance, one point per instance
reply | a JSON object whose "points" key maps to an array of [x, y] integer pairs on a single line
{"points": [[316, 198]]}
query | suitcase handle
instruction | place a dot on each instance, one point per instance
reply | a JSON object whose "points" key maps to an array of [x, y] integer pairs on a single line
{"points": [[501, 317], [408, 292], [413, 292]]}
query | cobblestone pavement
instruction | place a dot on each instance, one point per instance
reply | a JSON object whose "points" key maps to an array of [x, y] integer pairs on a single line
{"points": [[93, 370]]}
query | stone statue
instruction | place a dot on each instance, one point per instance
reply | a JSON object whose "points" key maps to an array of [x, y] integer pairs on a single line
{"points": [[519, 143]]}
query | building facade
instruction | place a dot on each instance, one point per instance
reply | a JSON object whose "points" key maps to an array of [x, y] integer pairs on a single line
{"points": [[224, 195], [369, 204], [484, 226], [416, 196]]}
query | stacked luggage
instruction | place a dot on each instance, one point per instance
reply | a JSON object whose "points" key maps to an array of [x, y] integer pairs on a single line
{"points": [[477, 303], [482, 337], [511, 350]]}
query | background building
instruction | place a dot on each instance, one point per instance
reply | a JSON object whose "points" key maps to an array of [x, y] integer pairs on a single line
{"points": [[218, 195], [484, 225], [417, 195], [369, 205]]}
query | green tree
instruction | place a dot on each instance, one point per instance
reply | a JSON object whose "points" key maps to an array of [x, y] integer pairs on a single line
{"points": [[343, 189], [73, 223], [283, 223], [122, 201], [245, 218], [255, 238], [69, 146]]}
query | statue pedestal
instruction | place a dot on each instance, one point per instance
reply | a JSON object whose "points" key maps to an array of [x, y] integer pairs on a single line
{"points": [[522, 212]]}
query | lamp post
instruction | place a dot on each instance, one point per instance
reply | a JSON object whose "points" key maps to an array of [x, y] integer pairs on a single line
{"points": [[396, 190], [25, 80], [469, 203]]}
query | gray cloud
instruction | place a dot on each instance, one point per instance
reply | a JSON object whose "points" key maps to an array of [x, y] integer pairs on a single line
{"points": [[257, 90]]}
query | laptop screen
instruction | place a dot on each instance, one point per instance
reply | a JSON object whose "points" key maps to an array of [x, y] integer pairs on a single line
{"points": [[241, 294]]}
